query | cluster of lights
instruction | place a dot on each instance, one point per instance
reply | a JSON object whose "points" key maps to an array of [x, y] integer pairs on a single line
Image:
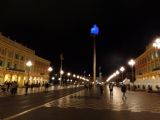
{"points": [[72, 75], [113, 75], [122, 69], [156, 43]]}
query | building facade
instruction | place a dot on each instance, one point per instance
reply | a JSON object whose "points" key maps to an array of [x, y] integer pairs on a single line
{"points": [[147, 68], [13, 58]]}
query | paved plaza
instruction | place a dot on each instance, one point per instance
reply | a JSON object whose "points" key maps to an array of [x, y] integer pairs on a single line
{"points": [[91, 104]]}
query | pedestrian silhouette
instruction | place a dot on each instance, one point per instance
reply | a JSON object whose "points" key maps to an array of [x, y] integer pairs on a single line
{"points": [[101, 89], [26, 88], [111, 89], [124, 89]]}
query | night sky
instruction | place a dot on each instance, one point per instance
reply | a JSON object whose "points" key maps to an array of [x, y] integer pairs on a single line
{"points": [[52, 27]]}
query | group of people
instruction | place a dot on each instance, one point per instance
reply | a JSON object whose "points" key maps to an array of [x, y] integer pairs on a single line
{"points": [[9, 87], [27, 85], [123, 90], [111, 86]]}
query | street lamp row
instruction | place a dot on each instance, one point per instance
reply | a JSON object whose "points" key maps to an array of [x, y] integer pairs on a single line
{"points": [[122, 69], [156, 45]]}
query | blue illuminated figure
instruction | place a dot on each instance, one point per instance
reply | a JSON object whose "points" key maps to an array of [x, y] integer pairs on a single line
{"points": [[94, 30]]}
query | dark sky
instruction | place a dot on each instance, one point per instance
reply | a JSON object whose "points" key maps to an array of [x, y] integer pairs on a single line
{"points": [[54, 26]]}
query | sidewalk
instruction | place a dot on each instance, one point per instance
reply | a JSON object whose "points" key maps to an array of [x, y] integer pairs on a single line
{"points": [[21, 91]]}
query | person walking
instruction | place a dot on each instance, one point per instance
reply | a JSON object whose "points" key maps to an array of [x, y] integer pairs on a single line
{"points": [[124, 89], [26, 88], [101, 89], [111, 89]]}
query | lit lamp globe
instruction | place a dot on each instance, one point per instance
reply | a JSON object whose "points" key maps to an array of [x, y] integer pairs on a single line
{"points": [[74, 75], [61, 72], [131, 62], [156, 43], [50, 69], [53, 78], [122, 69], [68, 74], [29, 63], [117, 72]]}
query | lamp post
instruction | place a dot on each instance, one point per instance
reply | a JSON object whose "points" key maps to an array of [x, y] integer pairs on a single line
{"points": [[29, 64], [50, 69], [61, 70], [61, 73], [117, 73], [132, 63], [68, 74], [156, 45], [94, 32], [122, 69]]}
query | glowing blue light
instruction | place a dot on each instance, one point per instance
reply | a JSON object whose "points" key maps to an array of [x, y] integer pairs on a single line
{"points": [[94, 30]]}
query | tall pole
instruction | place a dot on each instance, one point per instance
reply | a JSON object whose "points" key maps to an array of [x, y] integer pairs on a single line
{"points": [[28, 75], [94, 60], [132, 73], [94, 33], [61, 58], [122, 76], [60, 72]]}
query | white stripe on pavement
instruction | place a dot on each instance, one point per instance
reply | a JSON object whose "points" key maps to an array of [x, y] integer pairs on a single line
{"points": [[34, 108]]}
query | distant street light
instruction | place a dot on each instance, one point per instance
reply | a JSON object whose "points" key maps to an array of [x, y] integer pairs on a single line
{"points": [[74, 75], [69, 74], [61, 68], [50, 69], [78, 76], [94, 32], [53, 78], [60, 79], [132, 63], [122, 69], [117, 72], [61, 72]]}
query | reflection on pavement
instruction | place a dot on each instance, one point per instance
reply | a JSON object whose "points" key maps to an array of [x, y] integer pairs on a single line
{"points": [[136, 101]]}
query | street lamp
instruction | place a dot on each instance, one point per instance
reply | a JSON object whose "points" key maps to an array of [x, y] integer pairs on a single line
{"points": [[50, 69], [61, 73], [117, 72], [132, 63], [61, 69], [74, 75], [53, 78], [94, 32], [122, 69], [68, 74], [156, 45], [29, 65]]}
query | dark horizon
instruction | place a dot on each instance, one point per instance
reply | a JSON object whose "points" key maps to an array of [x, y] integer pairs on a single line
{"points": [[51, 28]]}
